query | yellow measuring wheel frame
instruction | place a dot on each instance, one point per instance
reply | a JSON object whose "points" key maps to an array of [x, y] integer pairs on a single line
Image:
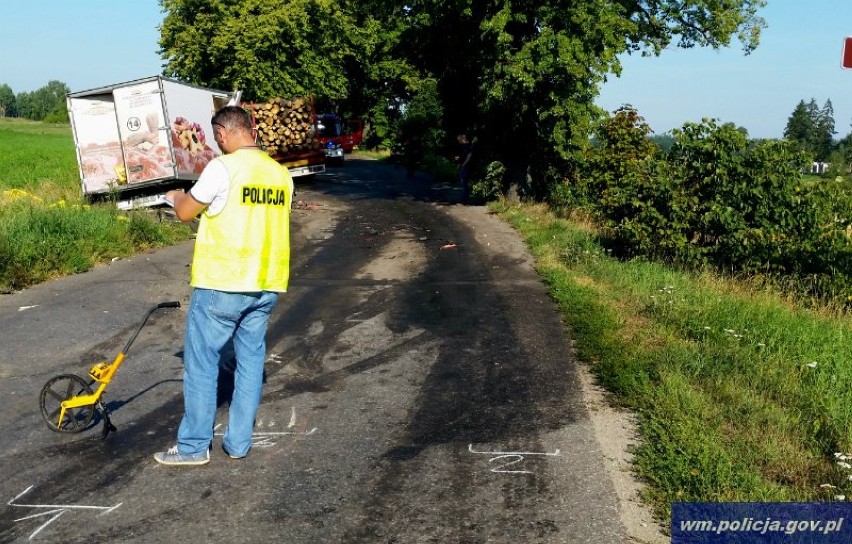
{"points": [[68, 402]]}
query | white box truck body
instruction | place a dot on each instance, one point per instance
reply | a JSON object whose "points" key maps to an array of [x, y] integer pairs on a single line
{"points": [[138, 139]]}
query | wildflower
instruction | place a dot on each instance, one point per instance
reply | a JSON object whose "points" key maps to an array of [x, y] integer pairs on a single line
{"points": [[840, 497], [843, 464], [828, 486], [812, 364], [707, 329], [841, 456]]}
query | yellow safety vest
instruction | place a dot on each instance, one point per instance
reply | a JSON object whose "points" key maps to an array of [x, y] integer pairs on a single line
{"points": [[246, 247]]}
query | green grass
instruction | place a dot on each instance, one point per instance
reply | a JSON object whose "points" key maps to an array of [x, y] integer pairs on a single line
{"points": [[47, 229], [741, 393], [371, 154], [38, 158], [844, 180]]}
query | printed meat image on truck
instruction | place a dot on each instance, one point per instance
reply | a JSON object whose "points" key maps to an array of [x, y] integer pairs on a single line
{"points": [[189, 141]]}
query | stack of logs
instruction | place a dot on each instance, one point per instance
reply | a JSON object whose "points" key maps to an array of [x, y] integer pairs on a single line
{"points": [[285, 126]]}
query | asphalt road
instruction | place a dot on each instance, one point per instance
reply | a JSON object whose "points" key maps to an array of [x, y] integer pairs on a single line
{"points": [[419, 388]]}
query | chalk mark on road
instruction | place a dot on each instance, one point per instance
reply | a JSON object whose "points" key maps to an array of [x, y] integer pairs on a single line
{"points": [[515, 456], [264, 439], [54, 510]]}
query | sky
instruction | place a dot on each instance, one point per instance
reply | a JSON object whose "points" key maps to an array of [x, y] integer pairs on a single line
{"points": [[82, 43], [798, 59], [91, 43]]}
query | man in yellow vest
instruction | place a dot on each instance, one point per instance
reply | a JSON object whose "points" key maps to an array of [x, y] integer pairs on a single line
{"points": [[240, 264]]}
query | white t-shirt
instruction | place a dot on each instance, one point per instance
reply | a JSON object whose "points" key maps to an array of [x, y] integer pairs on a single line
{"points": [[212, 186]]}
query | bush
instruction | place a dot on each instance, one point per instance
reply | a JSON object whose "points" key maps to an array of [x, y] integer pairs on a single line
{"points": [[39, 242], [57, 116], [748, 205], [562, 198], [492, 183], [719, 199], [621, 185]]}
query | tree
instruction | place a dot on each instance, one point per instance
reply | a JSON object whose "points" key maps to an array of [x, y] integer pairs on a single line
{"points": [[824, 132], [524, 75], [520, 76], [23, 102], [266, 49], [48, 100], [811, 129], [8, 106], [844, 153], [800, 125], [340, 52]]}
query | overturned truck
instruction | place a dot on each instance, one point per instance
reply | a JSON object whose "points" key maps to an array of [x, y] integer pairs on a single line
{"points": [[137, 140]]}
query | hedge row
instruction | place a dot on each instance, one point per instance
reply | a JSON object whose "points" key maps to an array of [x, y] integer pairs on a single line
{"points": [[717, 198]]}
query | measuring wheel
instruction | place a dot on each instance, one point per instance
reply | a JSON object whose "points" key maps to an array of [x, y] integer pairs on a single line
{"points": [[59, 389]]}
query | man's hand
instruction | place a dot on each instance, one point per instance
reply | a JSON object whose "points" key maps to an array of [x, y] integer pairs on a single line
{"points": [[186, 207]]}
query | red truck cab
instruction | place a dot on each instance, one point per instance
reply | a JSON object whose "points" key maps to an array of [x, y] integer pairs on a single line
{"points": [[346, 134]]}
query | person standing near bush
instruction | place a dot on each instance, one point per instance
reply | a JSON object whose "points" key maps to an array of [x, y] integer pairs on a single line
{"points": [[463, 156], [240, 264]]}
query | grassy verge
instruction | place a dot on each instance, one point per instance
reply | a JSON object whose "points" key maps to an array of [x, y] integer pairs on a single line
{"points": [[741, 394], [371, 154], [46, 227]]}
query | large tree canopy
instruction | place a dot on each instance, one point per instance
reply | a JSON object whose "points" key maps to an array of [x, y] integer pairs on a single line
{"points": [[266, 49], [520, 75]]}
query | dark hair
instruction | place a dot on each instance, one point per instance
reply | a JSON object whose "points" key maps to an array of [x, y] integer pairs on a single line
{"points": [[232, 118]]}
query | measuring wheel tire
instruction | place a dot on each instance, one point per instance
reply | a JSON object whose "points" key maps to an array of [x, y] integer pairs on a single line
{"points": [[59, 389]]}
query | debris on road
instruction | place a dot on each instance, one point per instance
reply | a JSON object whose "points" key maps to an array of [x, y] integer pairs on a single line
{"points": [[302, 205]]}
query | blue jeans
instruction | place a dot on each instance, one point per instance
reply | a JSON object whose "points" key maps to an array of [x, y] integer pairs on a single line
{"points": [[213, 320], [464, 179]]}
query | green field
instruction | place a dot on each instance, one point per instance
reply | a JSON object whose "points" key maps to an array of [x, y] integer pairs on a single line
{"points": [[47, 229], [39, 159]]}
